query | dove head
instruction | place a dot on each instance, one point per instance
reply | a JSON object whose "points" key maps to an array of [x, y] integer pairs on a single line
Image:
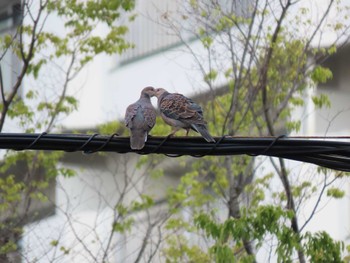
{"points": [[159, 92], [148, 92]]}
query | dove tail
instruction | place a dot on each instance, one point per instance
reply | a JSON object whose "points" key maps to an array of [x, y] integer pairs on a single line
{"points": [[202, 129], [138, 139]]}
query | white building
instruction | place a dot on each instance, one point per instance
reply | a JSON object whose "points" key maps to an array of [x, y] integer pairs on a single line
{"points": [[85, 205]]}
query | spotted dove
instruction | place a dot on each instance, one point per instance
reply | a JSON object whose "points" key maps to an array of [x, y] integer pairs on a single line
{"points": [[140, 118], [179, 112]]}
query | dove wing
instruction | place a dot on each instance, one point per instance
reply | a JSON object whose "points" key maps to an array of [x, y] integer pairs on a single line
{"points": [[179, 107], [130, 113]]}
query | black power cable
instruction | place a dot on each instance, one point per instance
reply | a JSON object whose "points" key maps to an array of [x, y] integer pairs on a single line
{"points": [[329, 152]]}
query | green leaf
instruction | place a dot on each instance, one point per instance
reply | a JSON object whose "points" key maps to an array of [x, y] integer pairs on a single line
{"points": [[321, 101], [321, 74], [54, 243], [320, 247], [335, 193], [211, 76]]}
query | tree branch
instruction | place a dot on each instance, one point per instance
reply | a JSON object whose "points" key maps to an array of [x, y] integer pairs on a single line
{"points": [[26, 59]]}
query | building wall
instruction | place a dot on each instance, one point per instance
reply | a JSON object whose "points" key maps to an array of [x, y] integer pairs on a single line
{"points": [[333, 120]]}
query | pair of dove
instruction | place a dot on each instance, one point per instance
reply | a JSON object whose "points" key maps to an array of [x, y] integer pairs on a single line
{"points": [[176, 110]]}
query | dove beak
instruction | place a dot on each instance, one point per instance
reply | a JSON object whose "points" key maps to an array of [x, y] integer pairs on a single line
{"points": [[153, 93], [157, 92]]}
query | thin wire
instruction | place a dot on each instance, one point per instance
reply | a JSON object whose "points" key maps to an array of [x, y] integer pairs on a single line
{"points": [[270, 146], [81, 148], [162, 143], [102, 146], [212, 149], [33, 143]]}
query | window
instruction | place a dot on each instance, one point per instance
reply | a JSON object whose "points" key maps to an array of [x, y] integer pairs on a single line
{"points": [[10, 18], [150, 32], [146, 32]]}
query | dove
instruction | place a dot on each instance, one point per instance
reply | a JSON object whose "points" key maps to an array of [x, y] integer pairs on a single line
{"points": [[179, 112], [140, 117]]}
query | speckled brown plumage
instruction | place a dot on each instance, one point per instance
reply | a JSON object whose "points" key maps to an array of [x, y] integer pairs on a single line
{"points": [[140, 117], [179, 112]]}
